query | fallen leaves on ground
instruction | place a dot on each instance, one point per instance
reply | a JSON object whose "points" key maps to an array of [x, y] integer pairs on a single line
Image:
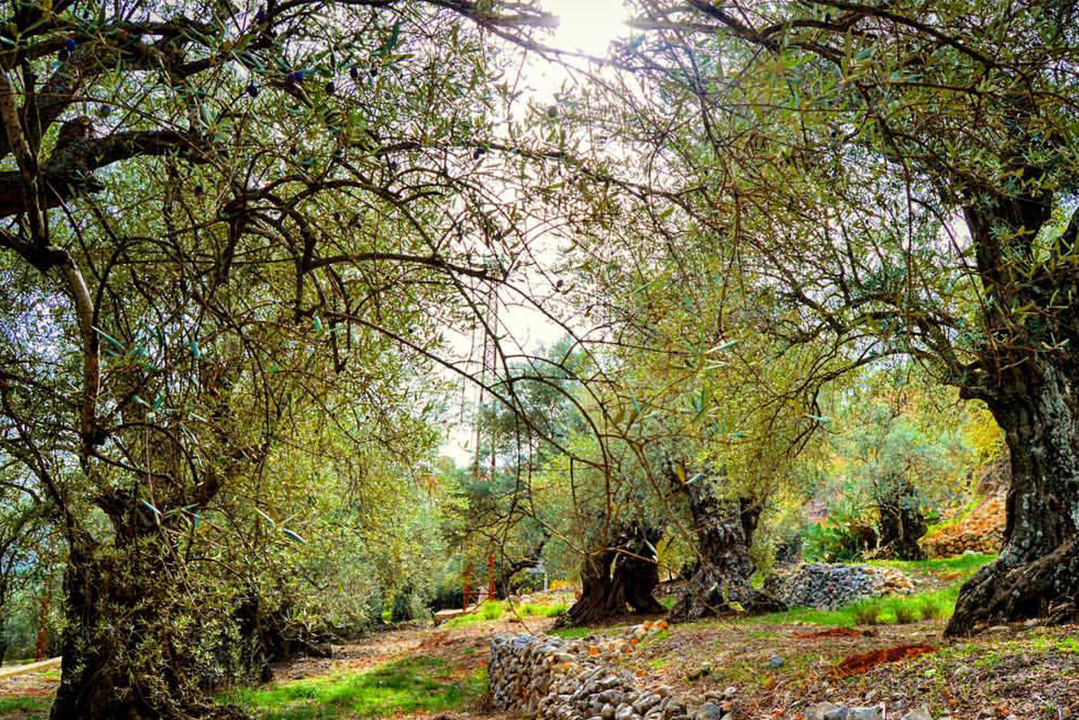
{"points": [[863, 662]]}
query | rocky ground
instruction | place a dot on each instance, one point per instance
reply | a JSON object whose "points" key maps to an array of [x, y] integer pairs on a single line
{"points": [[776, 669], [783, 670]]}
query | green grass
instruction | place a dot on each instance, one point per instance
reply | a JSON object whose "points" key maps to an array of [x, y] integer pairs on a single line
{"points": [[489, 611], [963, 514], [887, 610], [966, 564], [408, 686], [34, 708], [537, 610], [492, 610], [577, 632]]}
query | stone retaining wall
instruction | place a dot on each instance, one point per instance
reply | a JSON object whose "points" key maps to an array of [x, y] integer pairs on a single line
{"points": [[539, 677], [828, 586], [981, 532], [549, 678]]}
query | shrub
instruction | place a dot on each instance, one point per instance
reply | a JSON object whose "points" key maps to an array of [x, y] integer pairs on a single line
{"points": [[930, 609], [905, 614], [866, 613], [491, 610], [849, 532], [408, 605]]}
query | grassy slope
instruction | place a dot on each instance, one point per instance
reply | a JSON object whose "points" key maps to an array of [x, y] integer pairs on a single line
{"points": [[409, 685]]}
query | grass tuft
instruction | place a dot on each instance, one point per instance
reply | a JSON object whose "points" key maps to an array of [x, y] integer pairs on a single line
{"points": [[906, 614], [931, 609], [491, 610], [866, 613]]}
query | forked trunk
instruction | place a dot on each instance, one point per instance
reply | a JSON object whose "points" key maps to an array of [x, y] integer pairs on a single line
{"points": [[619, 580], [1037, 573], [721, 584]]}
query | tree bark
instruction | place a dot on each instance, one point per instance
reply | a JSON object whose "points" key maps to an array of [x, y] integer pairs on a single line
{"points": [[724, 530], [1037, 573], [618, 580], [901, 523], [113, 606]]}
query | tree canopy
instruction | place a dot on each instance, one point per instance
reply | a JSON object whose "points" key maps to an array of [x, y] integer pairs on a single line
{"points": [[789, 247]]}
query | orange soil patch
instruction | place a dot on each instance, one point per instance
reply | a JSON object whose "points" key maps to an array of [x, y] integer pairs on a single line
{"points": [[859, 664], [830, 632]]}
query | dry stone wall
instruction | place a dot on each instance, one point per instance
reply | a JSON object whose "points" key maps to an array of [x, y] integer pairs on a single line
{"points": [[538, 677], [548, 678], [828, 586], [980, 532]]}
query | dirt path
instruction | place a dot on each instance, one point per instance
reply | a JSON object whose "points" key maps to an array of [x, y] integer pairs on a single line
{"points": [[463, 650]]}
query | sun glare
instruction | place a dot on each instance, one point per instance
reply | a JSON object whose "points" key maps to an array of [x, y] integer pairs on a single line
{"points": [[588, 25]]}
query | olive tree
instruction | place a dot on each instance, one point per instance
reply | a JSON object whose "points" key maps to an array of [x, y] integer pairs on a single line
{"points": [[902, 178], [231, 212]]}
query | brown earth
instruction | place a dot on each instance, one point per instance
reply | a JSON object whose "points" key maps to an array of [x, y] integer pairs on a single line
{"points": [[1031, 672], [1028, 672]]}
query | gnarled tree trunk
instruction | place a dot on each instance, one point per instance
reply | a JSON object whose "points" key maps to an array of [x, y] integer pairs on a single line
{"points": [[619, 579], [117, 619], [1037, 573], [724, 530], [901, 523], [91, 675]]}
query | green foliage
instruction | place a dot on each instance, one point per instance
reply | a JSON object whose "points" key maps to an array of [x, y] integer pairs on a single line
{"points": [[408, 605], [846, 534], [404, 687]]}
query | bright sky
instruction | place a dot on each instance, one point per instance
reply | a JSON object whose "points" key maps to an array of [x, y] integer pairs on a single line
{"points": [[586, 26]]}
